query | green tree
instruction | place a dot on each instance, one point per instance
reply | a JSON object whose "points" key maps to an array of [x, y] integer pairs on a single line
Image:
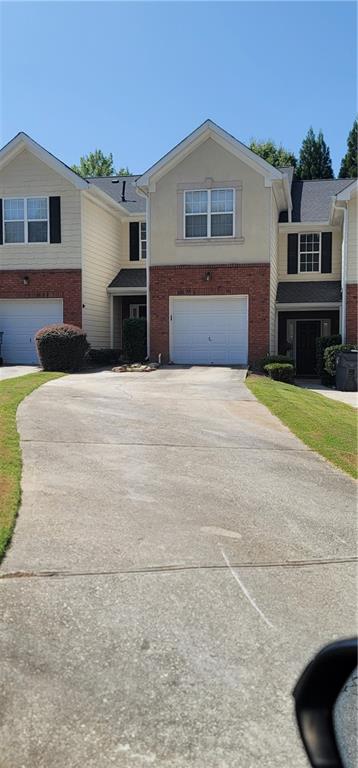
{"points": [[124, 171], [349, 165], [276, 156], [315, 159], [95, 164]]}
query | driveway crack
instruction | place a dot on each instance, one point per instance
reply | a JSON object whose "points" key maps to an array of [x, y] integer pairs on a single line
{"points": [[174, 568]]}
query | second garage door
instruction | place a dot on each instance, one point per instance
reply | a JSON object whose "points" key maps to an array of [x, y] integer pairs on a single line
{"points": [[209, 330], [20, 319]]}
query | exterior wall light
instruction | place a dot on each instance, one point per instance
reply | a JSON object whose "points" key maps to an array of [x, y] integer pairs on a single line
{"points": [[25, 280], [208, 276]]}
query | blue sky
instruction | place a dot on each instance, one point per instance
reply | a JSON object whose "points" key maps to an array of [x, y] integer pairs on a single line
{"points": [[135, 78]]}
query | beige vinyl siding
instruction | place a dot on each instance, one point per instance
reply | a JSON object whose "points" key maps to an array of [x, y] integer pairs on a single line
{"points": [[308, 276], [273, 272], [210, 160], [27, 176], [101, 248], [352, 251]]}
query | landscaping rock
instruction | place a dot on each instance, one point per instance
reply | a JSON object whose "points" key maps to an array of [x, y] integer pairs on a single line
{"points": [[136, 367]]}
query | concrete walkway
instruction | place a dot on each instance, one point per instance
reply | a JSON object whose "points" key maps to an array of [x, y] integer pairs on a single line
{"points": [[12, 371], [349, 398], [179, 555]]}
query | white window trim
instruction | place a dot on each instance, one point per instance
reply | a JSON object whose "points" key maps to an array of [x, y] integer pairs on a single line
{"points": [[26, 220], [136, 306], [209, 214], [305, 271], [142, 258]]}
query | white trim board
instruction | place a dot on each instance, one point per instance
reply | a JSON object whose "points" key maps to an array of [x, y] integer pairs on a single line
{"points": [[207, 130]]}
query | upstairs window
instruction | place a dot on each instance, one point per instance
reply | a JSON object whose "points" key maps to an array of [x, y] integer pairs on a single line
{"points": [[309, 252], [209, 213], [26, 220], [143, 240]]}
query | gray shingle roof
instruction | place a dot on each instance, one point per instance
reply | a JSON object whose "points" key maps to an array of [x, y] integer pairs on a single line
{"points": [[311, 200], [309, 292], [130, 278], [113, 186]]}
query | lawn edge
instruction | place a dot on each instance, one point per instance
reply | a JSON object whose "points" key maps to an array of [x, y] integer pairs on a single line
{"points": [[353, 475], [16, 461]]}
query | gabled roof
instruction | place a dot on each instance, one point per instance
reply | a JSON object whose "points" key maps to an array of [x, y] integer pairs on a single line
{"points": [[206, 130], [22, 141], [113, 187], [348, 190], [311, 200]]}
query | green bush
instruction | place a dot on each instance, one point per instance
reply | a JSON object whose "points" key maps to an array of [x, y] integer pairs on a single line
{"points": [[280, 372], [321, 344], [274, 359], [135, 339], [61, 347], [330, 355], [99, 357]]}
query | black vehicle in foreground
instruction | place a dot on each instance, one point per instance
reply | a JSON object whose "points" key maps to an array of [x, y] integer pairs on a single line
{"points": [[326, 699]]}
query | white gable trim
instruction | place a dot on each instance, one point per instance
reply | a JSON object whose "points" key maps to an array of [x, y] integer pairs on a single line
{"points": [[205, 131], [23, 141], [347, 192]]}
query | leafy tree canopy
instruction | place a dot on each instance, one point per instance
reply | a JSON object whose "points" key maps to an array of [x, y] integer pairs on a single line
{"points": [[275, 155], [349, 165], [315, 159], [98, 164]]}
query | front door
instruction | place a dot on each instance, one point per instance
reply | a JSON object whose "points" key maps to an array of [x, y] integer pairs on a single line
{"points": [[307, 332]]}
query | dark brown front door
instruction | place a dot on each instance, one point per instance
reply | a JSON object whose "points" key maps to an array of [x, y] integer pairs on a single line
{"points": [[306, 335]]}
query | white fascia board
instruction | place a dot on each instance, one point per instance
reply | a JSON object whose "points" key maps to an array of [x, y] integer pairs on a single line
{"points": [[23, 141], [127, 291], [303, 226], [347, 192], [205, 131]]}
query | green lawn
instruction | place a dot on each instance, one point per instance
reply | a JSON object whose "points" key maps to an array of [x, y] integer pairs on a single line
{"points": [[12, 392], [326, 426]]}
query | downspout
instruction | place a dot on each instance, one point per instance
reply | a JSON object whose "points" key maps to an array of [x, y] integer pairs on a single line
{"points": [[143, 193], [148, 271], [344, 273]]}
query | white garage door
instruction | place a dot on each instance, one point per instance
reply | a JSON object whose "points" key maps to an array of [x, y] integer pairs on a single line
{"points": [[209, 330], [20, 319]]}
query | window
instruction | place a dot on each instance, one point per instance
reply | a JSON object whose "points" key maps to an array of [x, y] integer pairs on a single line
{"points": [[209, 213], [310, 252], [137, 310], [26, 220], [143, 240]]}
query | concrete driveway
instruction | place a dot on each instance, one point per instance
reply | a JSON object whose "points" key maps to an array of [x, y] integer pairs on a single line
{"points": [[178, 557], [13, 371]]}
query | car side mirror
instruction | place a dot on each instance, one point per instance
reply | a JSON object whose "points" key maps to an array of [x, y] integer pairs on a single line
{"points": [[326, 706]]}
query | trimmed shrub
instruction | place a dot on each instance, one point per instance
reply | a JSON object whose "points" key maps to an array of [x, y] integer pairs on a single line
{"points": [[274, 359], [281, 372], [135, 339], [99, 357], [330, 355], [61, 347], [321, 344]]}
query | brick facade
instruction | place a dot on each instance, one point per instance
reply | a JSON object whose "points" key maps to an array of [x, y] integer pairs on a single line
{"points": [[351, 320], [226, 279], [46, 284]]}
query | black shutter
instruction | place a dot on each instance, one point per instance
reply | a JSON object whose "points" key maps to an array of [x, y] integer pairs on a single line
{"points": [[1, 240], [134, 241], [326, 254], [55, 219], [292, 254]]}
